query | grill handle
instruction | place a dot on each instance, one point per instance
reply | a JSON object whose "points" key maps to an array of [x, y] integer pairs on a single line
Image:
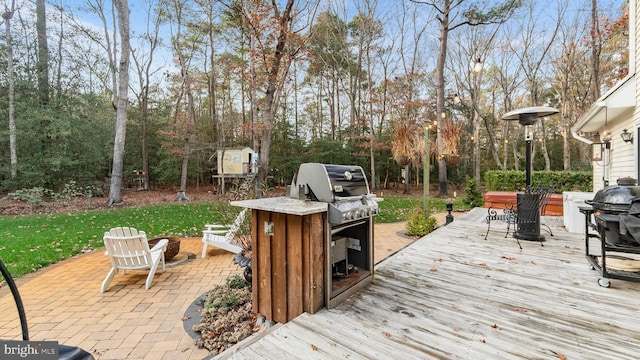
{"points": [[356, 197]]}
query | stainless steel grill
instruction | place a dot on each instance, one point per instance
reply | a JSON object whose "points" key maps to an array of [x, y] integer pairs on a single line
{"points": [[349, 224], [344, 188]]}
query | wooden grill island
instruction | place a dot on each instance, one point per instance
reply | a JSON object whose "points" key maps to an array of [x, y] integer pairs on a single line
{"points": [[314, 247]]}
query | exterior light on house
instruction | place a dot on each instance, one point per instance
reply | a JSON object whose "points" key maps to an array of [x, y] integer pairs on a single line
{"points": [[626, 136], [601, 148]]}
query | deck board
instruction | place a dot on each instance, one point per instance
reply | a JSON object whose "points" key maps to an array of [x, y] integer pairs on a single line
{"points": [[454, 295]]}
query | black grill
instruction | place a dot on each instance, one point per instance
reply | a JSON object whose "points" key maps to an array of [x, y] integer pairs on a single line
{"points": [[616, 209]]}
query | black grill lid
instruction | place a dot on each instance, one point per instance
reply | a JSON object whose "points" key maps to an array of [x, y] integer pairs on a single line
{"points": [[615, 197]]}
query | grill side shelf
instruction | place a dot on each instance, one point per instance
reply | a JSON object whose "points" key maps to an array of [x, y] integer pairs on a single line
{"points": [[606, 224]]}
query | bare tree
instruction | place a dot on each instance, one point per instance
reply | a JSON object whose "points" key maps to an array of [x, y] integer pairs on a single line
{"points": [[452, 15], [370, 29], [596, 48], [467, 66], [143, 63], [533, 54], [275, 58], [411, 107], [571, 80], [183, 48], [7, 15], [122, 9]]}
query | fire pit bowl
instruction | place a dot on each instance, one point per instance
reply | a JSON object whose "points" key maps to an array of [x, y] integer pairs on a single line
{"points": [[173, 248]]}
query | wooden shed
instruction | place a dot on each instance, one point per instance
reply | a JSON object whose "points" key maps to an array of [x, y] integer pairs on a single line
{"points": [[236, 162]]}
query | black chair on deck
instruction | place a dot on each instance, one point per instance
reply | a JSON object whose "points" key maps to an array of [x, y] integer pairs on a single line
{"points": [[525, 214], [529, 212]]}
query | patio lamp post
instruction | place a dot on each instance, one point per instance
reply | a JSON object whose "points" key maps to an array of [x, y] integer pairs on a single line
{"points": [[425, 169], [528, 203]]}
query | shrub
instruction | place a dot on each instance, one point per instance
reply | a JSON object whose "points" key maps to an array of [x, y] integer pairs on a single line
{"points": [[237, 282], [510, 180], [420, 223], [473, 196], [34, 196]]}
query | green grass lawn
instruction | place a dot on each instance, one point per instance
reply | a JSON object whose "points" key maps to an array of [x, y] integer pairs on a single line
{"points": [[30, 242]]}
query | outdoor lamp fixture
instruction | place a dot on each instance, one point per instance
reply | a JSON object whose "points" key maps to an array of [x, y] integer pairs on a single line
{"points": [[528, 203], [596, 147], [527, 117], [626, 136], [425, 168], [477, 67], [601, 150]]}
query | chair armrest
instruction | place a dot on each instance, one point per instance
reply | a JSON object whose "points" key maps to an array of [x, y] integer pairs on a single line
{"points": [[214, 226], [215, 232], [161, 245]]}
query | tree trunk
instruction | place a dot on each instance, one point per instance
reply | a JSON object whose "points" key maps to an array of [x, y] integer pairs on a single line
{"points": [[43, 52], [477, 159], [253, 90], [275, 76], [545, 153], [186, 152], [595, 51], [7, 16], [442, 58], [406, 179], [145, 79], [122, 7]]}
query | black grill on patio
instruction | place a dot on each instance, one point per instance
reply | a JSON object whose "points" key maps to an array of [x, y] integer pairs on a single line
{"points": [[616, 211], [611, 206]]}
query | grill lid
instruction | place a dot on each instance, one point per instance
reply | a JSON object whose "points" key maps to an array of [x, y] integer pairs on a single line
{"points": [[615, 198], [343, 187], [328, 183]]}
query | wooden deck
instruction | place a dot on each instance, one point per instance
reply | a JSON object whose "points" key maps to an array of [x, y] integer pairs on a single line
{"points": [[453, 295]]}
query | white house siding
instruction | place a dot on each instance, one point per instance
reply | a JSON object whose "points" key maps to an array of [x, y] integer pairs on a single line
{"points": [[634, 55], [634, 65], [624, 156]]}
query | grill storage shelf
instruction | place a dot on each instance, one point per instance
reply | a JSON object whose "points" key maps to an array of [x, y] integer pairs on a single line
{"points": [[605, 228]]}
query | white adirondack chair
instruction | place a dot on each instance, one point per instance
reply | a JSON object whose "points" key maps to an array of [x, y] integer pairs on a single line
{"points": [[128, 249], [223, 236]]}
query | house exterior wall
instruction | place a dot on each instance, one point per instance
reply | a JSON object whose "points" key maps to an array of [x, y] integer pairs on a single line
{"points": [[623, 156], [634, 55]]}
